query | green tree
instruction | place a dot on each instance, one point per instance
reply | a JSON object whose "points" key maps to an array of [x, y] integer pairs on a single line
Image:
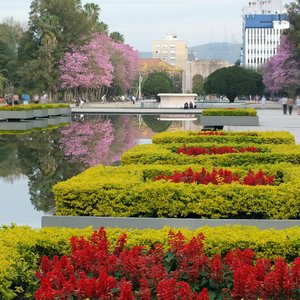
{"points": [[157, 82], [294, 19], [54, 26], [92, 11], [198, 85], [10, 33], [117, 37], [232, 82]]}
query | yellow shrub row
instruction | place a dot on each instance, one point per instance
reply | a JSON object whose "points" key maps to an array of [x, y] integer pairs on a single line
{"points": [[253, 137], [21, 248], [167, 154], [130, 191]]}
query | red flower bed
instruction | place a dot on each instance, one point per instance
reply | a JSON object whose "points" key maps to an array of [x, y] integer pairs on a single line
{"points": [[211, 133], [215, 150], [182, 272], [218, 176]]}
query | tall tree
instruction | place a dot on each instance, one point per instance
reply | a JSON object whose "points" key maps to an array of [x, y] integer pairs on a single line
{"points": [[294, 19], [117, 37], [10, 33], [157, 82], [53, 26], [232, 82], [92, 11], [281, 73], [100, 62]]}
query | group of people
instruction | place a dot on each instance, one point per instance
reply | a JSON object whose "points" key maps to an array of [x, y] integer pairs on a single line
{"points": [[14, 99], [43, 99], [189, 105], [288, 104]]}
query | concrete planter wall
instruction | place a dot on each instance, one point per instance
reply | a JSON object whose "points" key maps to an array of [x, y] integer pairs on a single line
{"points": [[40, 113], [23, 125], [17, 114], [65, 111], [158, 223], [54, 111], [40, 123], [229, 120]]}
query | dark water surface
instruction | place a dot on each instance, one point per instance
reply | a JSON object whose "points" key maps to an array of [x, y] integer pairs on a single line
{"points": [[30, 164]]}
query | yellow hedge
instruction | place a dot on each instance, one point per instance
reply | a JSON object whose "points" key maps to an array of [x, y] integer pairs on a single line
{"points": [[254, 137], [167, 154], [21, 248], [129, 191]]}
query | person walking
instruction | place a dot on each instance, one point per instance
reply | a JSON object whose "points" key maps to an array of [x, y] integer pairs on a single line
{"points": [[263, 102], [298, 104], [44, 98], [283, 102], [290, 105], [36, 98]]}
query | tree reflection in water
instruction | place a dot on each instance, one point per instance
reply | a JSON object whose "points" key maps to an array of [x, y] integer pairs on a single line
{"points": [[50, 156]]}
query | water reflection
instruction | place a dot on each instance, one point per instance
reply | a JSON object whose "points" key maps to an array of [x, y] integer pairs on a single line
{"points": [[47, 157]]}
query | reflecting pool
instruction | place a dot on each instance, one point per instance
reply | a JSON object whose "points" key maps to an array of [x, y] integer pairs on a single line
{"points": [[31, 163]]}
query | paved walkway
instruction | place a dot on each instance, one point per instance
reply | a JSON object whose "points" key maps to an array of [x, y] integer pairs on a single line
{"points": [[274, 120], [270, 119]]}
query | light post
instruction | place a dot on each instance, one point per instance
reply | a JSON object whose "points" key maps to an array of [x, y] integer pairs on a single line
{"points": [[140, 87]]}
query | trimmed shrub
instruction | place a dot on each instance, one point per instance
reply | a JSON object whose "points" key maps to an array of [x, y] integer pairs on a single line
{"points": [[21, 248], [167, 154], [229, 112], [130, 191], [33, 106], [249, 137]]}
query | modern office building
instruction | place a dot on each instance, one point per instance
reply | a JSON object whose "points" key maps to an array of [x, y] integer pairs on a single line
{"points": [[263, 23], [171, 50]]}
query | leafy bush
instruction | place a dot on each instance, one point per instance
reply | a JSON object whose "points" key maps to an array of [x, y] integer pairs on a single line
{"points": [[183, 271], [33, 106], [22, 248], [229, 112], [250, 137], [130, 191], [167, 154]]}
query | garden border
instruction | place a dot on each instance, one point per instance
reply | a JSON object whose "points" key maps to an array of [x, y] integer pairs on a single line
{"points": [[159, 223]]}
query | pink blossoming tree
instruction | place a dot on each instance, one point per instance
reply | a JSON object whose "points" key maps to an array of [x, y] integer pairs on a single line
{"points": [[99, 63], [281, 73]]}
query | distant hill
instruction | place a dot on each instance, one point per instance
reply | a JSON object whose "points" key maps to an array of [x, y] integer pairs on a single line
{"points": [[226, 51], [145, 54]]}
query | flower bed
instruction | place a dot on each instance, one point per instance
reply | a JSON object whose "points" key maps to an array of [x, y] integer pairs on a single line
{"points": [[22, 248], [194, 150], [217, 176], [130, 191], [168, 154], [33, 106], [183, 271], [229, 112], [250, 137]]}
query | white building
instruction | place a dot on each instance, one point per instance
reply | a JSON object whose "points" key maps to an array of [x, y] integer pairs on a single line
{"points": [[263, 23]]}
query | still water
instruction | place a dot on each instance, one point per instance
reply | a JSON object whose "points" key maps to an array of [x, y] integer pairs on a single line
{"points": [[30, 164]]}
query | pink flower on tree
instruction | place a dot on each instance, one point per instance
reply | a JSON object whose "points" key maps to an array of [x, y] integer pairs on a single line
{"points": [[282, 71], [99, 63], [88, 142]]}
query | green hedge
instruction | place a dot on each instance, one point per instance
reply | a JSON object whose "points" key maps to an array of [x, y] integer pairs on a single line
{"points": [[33, 106], [21, 248], [129, 191], [229, 112], [167, 154], [253, 137]]}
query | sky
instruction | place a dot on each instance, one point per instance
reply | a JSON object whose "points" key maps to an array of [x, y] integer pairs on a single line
{"points": [[196, 22]]}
